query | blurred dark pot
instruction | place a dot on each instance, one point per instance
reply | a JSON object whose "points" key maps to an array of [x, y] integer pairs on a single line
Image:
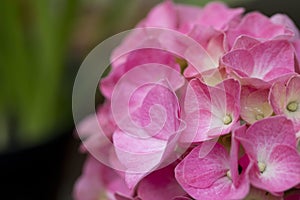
{"points": [[33, 173]]}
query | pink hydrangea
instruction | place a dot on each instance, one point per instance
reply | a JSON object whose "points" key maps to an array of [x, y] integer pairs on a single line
{"points": [[200, 103]]}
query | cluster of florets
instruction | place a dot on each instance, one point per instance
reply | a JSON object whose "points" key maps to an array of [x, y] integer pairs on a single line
{"points": [[201, 103]]}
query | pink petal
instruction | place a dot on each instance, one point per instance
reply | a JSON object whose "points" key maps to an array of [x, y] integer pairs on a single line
{"points": [[89, 185], [272, 59], [263, 135], [202, 172], [205, 109], [282, 170], [218, 15], [293, 89], [277, 97], [284, 20], [255, 25], [266, 61], [134, 58], [160, 185], [241, 61], [163, 15], [92, 123], [155, 109], [206, 178], [186, 16], [245, 42], [98, 180], [138, 154], [138, 101]]}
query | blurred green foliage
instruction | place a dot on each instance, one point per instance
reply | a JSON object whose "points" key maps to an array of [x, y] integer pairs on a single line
{"points": [[34, 39]]}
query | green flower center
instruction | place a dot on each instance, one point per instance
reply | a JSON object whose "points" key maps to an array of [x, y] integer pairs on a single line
{"points": [[292, 106], [228, 174], [259, 116], [262, 167], [227, 119]]}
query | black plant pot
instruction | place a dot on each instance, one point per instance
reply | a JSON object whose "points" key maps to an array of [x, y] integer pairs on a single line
{"points": [[33, 173]]}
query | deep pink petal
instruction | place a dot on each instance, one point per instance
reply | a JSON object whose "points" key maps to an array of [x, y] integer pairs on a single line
{"points": [[160, 185], [221, 189], [192, 174], [202, 172]]}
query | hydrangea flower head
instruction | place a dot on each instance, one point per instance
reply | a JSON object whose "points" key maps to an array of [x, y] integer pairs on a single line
{"points": [[200, 103]]}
